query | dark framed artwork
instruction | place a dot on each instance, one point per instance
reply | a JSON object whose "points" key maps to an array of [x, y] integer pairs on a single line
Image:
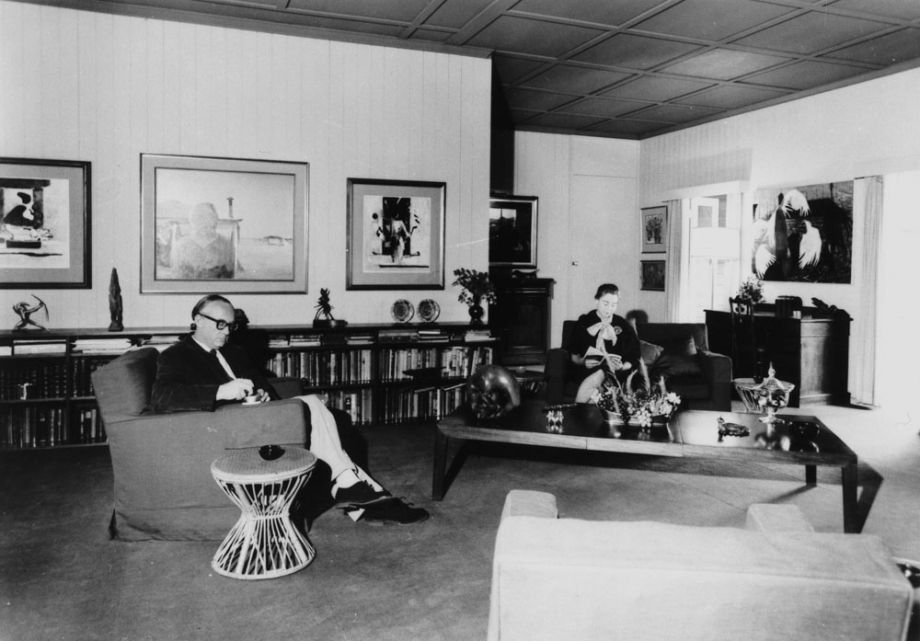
{"points": [[223, 224], [653, 272], [513, 231], [654, 229], [804, 234], [45, 230], [395, 234]]}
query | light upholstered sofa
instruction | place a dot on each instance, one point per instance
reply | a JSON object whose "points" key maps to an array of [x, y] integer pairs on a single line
{"points": [[777, 579]]}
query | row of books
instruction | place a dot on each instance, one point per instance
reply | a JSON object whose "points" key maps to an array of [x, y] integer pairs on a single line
{"points": [[325, 368], [427, 403], [24, 426], [357, 403], [454, 361], [41, 378]]}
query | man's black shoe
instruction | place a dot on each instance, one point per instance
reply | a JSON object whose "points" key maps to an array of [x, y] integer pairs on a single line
{"points": [[393, 510], [358, 495]]}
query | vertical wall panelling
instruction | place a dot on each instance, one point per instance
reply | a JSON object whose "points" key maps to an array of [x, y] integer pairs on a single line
{"points": [[112, 87]]}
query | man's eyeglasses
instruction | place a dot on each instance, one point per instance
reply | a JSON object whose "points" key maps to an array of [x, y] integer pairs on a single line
{"points": [[221, 324]]}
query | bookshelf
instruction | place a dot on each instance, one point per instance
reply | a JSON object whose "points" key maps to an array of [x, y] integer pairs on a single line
{"points": [[378, 374]]}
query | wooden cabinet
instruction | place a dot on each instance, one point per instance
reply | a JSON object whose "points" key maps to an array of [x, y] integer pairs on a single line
{"points": [[369, 370], [812, 351], [520, 318]]}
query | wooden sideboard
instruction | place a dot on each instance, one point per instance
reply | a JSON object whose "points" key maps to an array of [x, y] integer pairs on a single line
{"points": [[812, 351]]}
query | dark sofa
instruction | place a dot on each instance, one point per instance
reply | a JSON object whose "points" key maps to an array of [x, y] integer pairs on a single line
{"points": [[677, 351]]}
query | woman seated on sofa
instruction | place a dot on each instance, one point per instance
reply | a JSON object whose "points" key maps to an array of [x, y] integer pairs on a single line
{"points": [[603, 343]]}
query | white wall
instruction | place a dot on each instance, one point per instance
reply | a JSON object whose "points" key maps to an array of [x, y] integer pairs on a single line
{"points": [[103, 88], [588, 198]]}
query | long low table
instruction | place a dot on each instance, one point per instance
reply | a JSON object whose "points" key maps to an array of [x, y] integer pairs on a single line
{"points": [[797, 439]]}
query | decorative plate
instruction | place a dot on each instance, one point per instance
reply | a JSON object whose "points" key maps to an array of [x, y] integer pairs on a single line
{"points": [[429, 310], [402, 311]]}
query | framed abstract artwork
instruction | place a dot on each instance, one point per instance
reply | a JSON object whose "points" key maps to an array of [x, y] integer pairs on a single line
{"points": [[223, 224], [653, 275], [45, 239], [513, 231], [654, 230], [395, 234]]}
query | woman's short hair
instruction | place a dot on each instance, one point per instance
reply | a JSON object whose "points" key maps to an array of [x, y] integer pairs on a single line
{"points": [[606, 288]]}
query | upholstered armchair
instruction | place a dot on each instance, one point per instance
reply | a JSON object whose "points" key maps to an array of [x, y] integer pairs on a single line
{"points": [[161, 462], [679, 352], [776, 579]]}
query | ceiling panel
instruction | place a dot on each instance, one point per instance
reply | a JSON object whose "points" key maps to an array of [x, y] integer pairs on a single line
{"points": [[621, 68], [711, 19], [805, 74], [656, 88], [886, 50], [531, 36], [607, 12], [811, 32], [575, 79], [732, 96], [723, 64], [634, 52]]}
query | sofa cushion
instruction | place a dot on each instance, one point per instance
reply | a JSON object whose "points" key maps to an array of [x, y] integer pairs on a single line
{"points": [[650, 352], [671, 365]]}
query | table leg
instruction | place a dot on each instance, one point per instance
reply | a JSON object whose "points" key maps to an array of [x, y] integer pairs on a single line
{"points": [[811, 475], [441, 443], [850, 488]]}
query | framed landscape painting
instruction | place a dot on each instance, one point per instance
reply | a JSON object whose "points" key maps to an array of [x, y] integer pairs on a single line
{"points": [[223, 224], [654, 229], [45, 240], [395, 234], [513, 231]]}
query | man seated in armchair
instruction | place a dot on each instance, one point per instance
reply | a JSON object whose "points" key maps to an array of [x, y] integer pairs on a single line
{"points": [[203, 371]]}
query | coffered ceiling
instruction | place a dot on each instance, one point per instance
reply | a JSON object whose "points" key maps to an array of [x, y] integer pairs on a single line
{"points": [[619, 68]]}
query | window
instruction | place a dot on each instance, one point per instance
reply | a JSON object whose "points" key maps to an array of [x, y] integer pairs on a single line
{"points": [[714, 254]]}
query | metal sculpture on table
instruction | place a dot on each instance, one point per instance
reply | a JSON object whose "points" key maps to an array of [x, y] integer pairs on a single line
{"points": [[25, 311], [493, 391]]}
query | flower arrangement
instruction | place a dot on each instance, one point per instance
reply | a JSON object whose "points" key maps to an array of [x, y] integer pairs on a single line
{"points": [[751, 289], [636, 406], [476, 286]]}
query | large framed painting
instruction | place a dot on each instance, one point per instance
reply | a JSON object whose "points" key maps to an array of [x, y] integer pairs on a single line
{"points": [[395, 234], [654, 229], [45, 239], [223, 224], [653, 272], [513, 231], [804, 234]]}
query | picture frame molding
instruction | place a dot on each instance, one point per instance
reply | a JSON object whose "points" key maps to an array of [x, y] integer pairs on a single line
{"points": [[79, 274], [533, 201], [357, 278], [649, 214], [297, 284]]}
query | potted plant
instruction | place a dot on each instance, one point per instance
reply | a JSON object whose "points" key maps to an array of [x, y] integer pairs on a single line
{"points": [[751, 289], [476, 289]]}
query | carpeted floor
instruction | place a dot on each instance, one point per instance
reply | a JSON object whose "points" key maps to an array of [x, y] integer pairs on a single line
{"points": [[62, 578]]}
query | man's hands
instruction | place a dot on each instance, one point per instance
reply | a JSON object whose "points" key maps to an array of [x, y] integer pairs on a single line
{"points": [[238, 389]]}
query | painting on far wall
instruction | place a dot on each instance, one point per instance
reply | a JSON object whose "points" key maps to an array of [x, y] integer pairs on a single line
{"points": [[804, 234]]}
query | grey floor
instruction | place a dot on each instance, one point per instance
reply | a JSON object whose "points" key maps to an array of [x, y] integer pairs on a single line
{"points": [[62, 578]]}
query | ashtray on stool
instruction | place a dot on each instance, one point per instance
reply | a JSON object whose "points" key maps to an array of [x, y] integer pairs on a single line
{"points": [[271, 452]]}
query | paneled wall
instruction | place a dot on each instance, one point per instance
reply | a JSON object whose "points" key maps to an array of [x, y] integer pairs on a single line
{"points": [[588, 218], [103, 88]]}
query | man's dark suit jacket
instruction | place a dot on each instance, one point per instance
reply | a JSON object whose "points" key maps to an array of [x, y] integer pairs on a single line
{"points": [[188, 377]]}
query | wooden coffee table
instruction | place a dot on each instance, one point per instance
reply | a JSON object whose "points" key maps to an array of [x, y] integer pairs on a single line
{"points": [[800, 440]]}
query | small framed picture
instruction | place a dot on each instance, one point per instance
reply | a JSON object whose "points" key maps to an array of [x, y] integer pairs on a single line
{"points": [[227, 224], [653, 275], [654, 230], [513, 231], [45, 240], [395, 234]]}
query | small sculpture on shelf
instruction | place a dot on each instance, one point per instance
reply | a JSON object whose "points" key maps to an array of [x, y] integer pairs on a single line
{"points": [[324, 317], [25, 311], [115, 303]]}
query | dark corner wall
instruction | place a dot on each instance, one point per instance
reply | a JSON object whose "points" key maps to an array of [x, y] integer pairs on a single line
{"points": [[502, 146]]}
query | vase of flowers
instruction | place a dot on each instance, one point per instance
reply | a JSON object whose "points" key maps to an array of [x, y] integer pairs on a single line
{"points": [[751, 289], [476, 289], [645, 407]]}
